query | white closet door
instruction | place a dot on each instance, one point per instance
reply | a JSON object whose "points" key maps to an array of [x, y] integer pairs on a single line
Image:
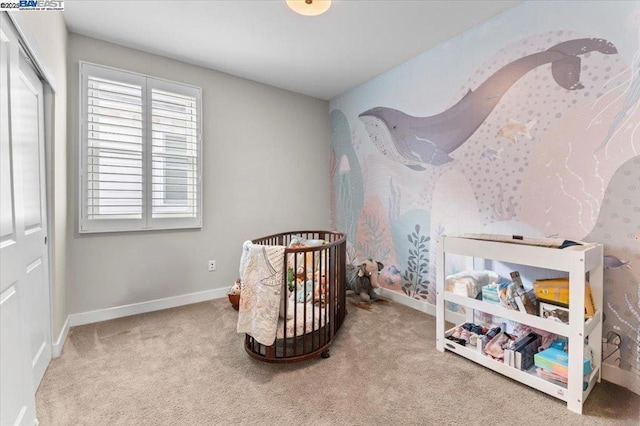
{"points": [[27, 126], [25, 327]]}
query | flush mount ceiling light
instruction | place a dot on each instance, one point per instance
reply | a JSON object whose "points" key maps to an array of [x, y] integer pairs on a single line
{"points": [[309, 7]]}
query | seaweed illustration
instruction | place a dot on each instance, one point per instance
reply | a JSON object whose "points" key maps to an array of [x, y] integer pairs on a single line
{"points": [[373, 245], [333, 168], [394, 202], [634, 328], [345, 199], [502, 212], [356, 142], [351, 253], [440, 231], [415, 278]]}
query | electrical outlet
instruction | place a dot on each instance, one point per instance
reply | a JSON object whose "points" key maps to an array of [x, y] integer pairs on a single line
{"points": [[212, 265]]}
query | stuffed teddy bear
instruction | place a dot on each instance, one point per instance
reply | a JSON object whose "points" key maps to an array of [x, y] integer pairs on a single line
{"points": [[362, 280]]}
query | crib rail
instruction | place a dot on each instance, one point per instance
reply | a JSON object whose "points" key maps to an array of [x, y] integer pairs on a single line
{"points": [[314, 307]]}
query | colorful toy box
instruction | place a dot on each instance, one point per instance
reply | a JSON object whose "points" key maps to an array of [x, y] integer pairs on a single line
{"points": [[557, 361]]}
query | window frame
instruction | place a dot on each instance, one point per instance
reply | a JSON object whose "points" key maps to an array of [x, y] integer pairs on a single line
{"points": [[147, 222]]}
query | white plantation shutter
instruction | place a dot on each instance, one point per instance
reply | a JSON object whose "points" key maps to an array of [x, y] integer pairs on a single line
{"points": [[141, 152], [174, 154], [114, 151]]}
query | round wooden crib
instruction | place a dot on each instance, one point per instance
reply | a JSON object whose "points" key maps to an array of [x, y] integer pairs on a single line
{"points": [[313, 303]]}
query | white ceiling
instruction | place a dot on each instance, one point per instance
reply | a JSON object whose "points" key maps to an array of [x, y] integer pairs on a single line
{"points": [[265, 41]]}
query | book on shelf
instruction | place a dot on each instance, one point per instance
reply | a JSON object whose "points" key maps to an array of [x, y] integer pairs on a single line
{"points": [[508, 357], [520, 304], [557, 361], [553, 312], [556, 291], [525, 300], [517, 281], [524, 350], [552, 377]]}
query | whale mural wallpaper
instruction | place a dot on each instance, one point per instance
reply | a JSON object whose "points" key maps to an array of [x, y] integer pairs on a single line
{"points": [[429, 140], [527, 124]]}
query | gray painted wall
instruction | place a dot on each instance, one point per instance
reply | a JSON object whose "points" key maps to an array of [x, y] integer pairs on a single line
{"points": [[266, 170]]}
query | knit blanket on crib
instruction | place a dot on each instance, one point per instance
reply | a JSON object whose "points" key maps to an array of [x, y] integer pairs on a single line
{"points": [[262, 277]]}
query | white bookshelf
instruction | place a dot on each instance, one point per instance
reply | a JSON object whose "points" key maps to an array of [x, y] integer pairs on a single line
{"points": [[576, 261]]}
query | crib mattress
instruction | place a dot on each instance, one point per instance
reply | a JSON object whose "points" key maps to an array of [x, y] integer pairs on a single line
{"points": [[316, 317]]}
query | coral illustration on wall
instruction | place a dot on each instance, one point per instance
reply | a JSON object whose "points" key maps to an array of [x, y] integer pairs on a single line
{"points": [[617, 226], [532, 132]]}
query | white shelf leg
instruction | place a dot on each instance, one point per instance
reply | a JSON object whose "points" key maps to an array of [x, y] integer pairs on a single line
{"points": [[576, 339], [597, 291], [440, 307]]}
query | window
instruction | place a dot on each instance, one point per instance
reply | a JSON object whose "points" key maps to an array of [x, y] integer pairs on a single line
{"points": [[141, 152]]}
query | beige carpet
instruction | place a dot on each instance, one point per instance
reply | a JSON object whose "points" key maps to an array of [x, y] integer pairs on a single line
{"points": [[187, 366]]}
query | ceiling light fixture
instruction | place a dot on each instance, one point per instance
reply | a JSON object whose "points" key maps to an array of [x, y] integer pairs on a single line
{"points": [[309, 7]]}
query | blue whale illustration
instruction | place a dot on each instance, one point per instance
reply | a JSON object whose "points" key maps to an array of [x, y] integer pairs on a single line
{"points": [[417, 141]]}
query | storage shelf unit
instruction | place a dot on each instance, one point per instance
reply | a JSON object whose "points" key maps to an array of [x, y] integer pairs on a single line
{"points": [[577, 261]]}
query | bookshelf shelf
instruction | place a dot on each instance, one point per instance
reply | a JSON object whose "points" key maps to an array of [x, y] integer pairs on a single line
{"points": [[528, 377], [578, 261]]}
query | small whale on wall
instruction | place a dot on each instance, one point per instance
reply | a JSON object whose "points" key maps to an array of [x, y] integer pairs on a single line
{"points": [[418, 141], [491, 154], [393, 270]]}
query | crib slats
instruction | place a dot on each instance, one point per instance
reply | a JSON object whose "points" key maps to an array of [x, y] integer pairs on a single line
{"points": [[326, 263]]}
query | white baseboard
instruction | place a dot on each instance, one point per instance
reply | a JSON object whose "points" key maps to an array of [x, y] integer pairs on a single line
{"points": [[416, 304], [144, 307], [626, 379], [56, 349]]}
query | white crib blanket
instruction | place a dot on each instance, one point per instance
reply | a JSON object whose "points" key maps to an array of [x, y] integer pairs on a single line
{"points": [[262, 275]]}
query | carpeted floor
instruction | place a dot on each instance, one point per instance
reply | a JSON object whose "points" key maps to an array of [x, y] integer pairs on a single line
{"points": [[187, 366]]}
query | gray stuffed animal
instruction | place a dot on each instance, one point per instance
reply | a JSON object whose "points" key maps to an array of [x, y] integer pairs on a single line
{"points": [[362, 280]]}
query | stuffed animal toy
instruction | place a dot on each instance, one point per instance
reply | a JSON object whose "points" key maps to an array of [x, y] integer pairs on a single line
{"points": [[362, 280], [320, 291], [234, 294], [235, 288], [304, 291]]}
